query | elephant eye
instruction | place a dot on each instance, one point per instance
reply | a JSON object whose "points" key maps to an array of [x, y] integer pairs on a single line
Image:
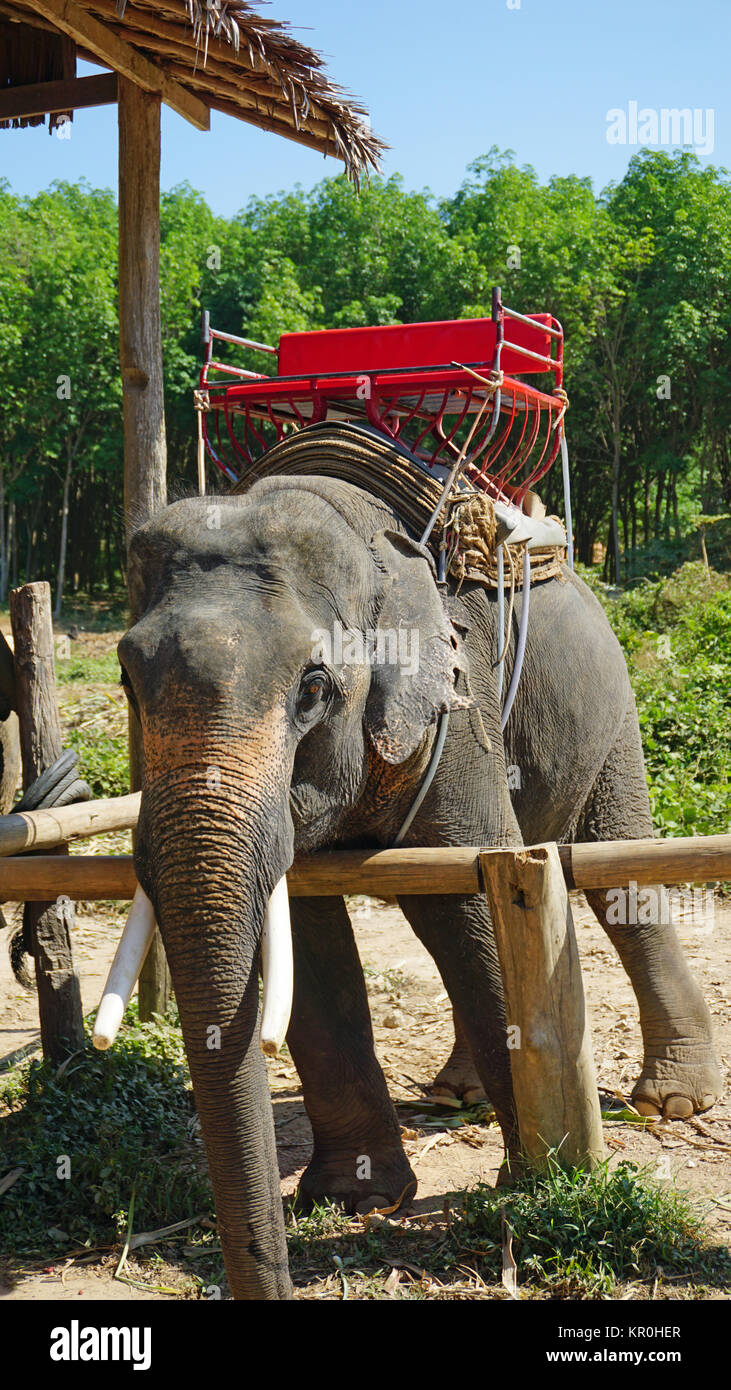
{"points": [[314, 693]]}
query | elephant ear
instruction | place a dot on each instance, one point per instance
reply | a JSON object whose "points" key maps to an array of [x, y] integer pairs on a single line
{"points": [[408, 694]]}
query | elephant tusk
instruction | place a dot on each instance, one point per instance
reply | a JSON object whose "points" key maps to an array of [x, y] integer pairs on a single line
{"points": [[138, 932], [277, 970]]}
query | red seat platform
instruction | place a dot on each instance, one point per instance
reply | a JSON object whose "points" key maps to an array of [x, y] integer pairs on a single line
{"points": [[413, 345], [432, 386]]}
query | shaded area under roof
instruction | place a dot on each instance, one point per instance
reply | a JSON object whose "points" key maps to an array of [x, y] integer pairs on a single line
{"points": [[228, 56]]}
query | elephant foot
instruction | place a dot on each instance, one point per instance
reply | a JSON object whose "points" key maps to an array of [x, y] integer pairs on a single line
{"points": [[457, 1082], [675, 1086], [387, 1181]]}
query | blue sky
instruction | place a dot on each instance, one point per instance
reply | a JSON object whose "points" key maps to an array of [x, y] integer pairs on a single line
{"points": [[442, 83]]}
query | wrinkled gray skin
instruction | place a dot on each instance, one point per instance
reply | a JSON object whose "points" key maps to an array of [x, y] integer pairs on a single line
{"points": [[250, 758]]}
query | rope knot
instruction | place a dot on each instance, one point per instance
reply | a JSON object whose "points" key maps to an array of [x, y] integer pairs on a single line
{"points": [[561, 394], [471, 536]]}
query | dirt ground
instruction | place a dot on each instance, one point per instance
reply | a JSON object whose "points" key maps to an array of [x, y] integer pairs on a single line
{"points": [[412, 1023]]}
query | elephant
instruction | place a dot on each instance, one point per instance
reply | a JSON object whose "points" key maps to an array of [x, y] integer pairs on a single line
{"points": [[259, 744]]}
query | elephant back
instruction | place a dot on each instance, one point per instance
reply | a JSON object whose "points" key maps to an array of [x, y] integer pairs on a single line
{"points": [[363, 457]]}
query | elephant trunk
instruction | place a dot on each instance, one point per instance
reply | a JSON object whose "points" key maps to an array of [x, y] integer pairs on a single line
{"points": [[211, 869]]}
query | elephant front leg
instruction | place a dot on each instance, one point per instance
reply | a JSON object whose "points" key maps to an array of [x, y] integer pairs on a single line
{"points": [[358, 1157]]}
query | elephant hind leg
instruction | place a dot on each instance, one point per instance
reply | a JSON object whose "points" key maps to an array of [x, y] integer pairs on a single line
{"points": [[457, 932], [358, 1158], [680, 1072], [458, 1079]]}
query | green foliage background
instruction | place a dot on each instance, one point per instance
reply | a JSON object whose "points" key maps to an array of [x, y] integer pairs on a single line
{"points": [[676, 635], [639, 275]]}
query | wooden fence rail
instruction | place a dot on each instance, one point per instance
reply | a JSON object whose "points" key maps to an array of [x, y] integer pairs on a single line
{"points": [[36, 830], [385, 872], [551, 1055]]}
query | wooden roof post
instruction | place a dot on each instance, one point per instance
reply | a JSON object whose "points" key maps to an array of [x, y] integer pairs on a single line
{"points": [[145, 455]]}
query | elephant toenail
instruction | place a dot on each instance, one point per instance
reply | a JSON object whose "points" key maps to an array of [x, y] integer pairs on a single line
{"points": [[678, 1107], [706, 1102], [646, 1107], [442, 1095]]}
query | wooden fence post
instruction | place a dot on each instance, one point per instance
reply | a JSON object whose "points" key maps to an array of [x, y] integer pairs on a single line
{"points": [[59, 994], [548, 1032], [140, 345]]}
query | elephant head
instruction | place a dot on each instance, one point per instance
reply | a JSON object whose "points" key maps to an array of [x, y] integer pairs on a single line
{"points": [[263, 720]]}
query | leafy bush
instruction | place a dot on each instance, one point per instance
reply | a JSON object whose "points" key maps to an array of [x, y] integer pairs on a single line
{"points": [[103, 761], [123, 1118], [676, 635], [89, 669]]}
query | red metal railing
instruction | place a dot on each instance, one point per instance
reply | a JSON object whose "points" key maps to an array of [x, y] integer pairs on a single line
{"points": [[422, 384]]}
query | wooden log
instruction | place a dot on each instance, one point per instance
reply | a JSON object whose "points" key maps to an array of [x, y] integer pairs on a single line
{"points": [[386, 872], [69, 94], [140, 343], [613, 863], [35, 679], [97, 877], [551, 1056], [47, 921], [34, 830], [381, 873], [140, 347], [9, 734], [9, 762]]}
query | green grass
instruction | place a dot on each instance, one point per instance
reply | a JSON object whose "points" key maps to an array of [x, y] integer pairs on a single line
{"points": [[96, 728], [582, 1233], [103, 760], [90, 669], [575, 1235], [123, 1119]]}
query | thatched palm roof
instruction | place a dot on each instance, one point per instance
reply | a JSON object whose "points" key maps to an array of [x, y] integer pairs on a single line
{"points": [[235, 60]]}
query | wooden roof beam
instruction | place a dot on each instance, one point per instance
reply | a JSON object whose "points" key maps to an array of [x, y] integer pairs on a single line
{"points": [[17, 15], [50, 98], [67, 16]]}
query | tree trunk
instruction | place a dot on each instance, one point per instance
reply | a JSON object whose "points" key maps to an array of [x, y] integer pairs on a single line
{"points": [[64, 533], [658, 502], [13, 543], [3, 542], [140, 347], [615, 516]]}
